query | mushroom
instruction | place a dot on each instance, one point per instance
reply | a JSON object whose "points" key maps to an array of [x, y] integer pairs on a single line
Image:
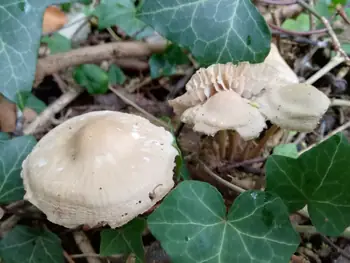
{"points": [[241, 97], [98, 168]]}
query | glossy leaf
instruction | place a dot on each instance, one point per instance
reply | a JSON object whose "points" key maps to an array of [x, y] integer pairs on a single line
{"points": [[125, 240], [192, 225], [20, 32], [318, 178], [289, 150], [215, 31], [24, 244], [12, 154], [116, 75], [91, 77], [57, 43], [123, 14]]}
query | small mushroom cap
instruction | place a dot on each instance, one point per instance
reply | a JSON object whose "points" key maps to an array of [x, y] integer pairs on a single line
{"points": [[225, 110], [102, 167], [294, 107]]}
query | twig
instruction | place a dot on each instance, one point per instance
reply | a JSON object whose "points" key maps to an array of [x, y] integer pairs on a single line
{"points": [[68, 257], [8, 224], [339, 129], [340, 103], [299, 33], [335, 61], [341, 251], [331, 32], [92, 54], [53, 109], [284, 12], [84, 245], [278, 2], [219, 179], [245, 162], [131, 103]]}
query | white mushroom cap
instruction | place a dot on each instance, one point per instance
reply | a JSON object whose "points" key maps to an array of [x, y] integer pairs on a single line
{"points": [[100, 167], [295, 107], [225, 110]]}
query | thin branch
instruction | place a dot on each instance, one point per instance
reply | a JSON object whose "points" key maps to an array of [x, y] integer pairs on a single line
{"points": [[278, 2], [219, 179], [340, 103], [341, 251], [85, 246], [131, 103], [299, 33], [229, 167]]}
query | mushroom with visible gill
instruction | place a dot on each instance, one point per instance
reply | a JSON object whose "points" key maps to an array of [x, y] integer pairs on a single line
{"points": [[98, 168], [242, 97]]}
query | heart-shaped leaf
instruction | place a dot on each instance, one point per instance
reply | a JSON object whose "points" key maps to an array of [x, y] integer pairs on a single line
{"points": [[192, 225], [24, 244], [20, 32], [216, 31], [125, 240], [318, 178], [12, 154]]}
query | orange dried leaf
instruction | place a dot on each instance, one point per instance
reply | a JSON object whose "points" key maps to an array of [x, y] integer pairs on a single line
{"points": [[7, 115], [53, 20]]}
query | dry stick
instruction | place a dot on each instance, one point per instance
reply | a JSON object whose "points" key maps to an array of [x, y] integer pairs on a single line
{"points": [[53, 109], [221, 180], [245, 162], [84, 245], [131, 103], [8, 224], [341, 251], [54, 63], [255, 152], [68, 257]]}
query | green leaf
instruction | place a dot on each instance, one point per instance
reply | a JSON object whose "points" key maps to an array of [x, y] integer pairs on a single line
{"points": [[215, 31], [289, 150], [301, 23], [4, 136], [165, 64], [35, 104], [12, 154], [91, 77], [116, 75], [20, 32], [123, 14], [318, 178], [125, 240], [192, 225], [24, 244], [57, 43]]}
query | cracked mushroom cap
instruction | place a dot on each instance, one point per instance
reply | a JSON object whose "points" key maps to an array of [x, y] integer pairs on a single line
{"points": [[294, 107], [100, 168]]}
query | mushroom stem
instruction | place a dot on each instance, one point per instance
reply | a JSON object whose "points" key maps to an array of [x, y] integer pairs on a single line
{"points": [[271, 131], [233, 138], [221, 137], [246, 151]]}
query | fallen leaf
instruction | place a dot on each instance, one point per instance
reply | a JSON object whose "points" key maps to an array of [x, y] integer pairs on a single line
{"points": [[7, 115], [54, 19]]}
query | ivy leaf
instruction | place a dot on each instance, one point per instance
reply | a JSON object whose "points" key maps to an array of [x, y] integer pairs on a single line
{"points": [[125, 240], [28, 99], [12, 154], [91, 77], [116, 75], [123, 14], [192, 226], [20, 32], [25, 244], [318, 178], [216, 31], [57, 43], [165, 64], [289, 150], [4, 136], [301, 23]]}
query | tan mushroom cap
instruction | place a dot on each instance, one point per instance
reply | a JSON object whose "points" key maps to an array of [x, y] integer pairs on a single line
{"points": [[295, 107], [218, 114], [100, 167], [245, 79]]}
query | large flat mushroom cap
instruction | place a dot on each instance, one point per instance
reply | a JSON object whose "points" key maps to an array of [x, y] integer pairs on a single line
{"points": [[100, 167]]}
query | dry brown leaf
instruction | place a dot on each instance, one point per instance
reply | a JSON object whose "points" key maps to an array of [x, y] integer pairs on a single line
{"points": [[7, 115], [54, 19]]}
